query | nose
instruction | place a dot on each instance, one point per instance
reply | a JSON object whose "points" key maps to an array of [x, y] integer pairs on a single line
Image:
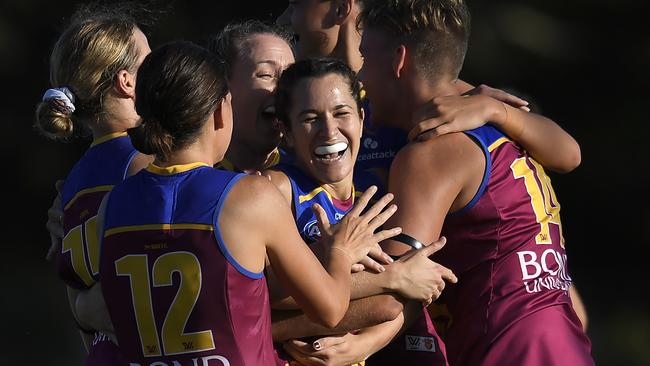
{"points": [[329, 127], [284, 19]]}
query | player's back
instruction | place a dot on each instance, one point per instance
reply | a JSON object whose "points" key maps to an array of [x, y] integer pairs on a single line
{"points": [[173, 291], [104, 165], [511, 304]]}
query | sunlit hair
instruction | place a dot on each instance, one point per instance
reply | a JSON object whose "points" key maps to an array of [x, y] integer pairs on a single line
{"points": [[437, 31], [229, 43], [96, 45], [312, 68], [179, 85]]}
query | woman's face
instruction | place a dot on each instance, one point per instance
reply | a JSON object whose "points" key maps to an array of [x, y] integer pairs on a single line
{"points": [[325, 128], [252, 83]]}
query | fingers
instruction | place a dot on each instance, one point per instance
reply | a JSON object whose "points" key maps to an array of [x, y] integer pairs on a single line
{"points": [[433, 247], [381, 219], [357, 267], [327, 342], [362, 202], [379, 255], [499, 95], [426, 126], [386, 234], [322, 220], [447, 274], [300, 351], [370, 263]]}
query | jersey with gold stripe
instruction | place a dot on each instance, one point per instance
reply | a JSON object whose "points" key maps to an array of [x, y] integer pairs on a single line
{"points": [[511, 305], [306, 192], [104, 165], [174, 292]]}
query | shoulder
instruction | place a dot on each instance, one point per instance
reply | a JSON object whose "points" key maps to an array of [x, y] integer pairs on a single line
{"points": [[253, 194], [440, 152], [281, 181]]}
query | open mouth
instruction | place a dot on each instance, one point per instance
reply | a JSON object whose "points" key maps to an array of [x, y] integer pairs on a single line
{"points": [[330, 153]]}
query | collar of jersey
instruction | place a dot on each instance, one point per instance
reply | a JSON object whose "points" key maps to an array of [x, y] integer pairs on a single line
{"points": [[105, 138], [174, 169]]}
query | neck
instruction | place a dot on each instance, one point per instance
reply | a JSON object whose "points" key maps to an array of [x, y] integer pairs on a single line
{"points": [[419, 92], [347, 45], [119, 116], [341, 190], [243, 157], [195, 153]]}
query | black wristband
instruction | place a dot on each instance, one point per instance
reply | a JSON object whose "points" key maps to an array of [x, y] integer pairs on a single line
{"points": [[408, 240]]}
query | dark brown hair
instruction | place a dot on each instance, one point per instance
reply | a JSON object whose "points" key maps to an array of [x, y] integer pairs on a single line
{"points": [[312, 68], [179, 85]]}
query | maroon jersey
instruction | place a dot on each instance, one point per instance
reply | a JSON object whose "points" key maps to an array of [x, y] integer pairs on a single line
{"points": [[174, 292], [511, 304], [418, 345], [104, 165]]}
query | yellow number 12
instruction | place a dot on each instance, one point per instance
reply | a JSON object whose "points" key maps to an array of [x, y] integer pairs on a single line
{"points": [[174, 338]]}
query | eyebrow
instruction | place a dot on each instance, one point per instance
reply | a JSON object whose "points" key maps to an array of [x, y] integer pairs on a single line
{"points": [[308, 111]]}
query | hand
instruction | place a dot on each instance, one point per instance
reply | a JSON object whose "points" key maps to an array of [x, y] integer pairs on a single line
{"points": [[355, 233], [500, 95], [419, 278], [373, 261], [54, 223], [91, 310], [456, 113], [330, 351]]}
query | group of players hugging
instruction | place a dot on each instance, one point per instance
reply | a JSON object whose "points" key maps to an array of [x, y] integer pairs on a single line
{"points": [[324, 191]]}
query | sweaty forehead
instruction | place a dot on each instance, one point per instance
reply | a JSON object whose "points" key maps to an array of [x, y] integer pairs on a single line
{"points": [[322, 93], [266, 48]]}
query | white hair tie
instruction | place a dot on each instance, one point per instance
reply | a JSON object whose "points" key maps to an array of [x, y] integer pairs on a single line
{"points": [[63, 94]]}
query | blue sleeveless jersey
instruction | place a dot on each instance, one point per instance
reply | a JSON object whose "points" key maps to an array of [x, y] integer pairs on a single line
{"points": [[378, 148], [104, 165], [305, 193], [174, 292]]}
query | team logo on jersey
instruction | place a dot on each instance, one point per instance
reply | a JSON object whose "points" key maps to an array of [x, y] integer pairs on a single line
{"points": [[369, 143], [544, 272], [417, 343], [311, 230]]}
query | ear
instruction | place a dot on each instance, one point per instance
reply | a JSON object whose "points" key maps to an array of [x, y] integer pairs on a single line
{"points": [[399, 58], [342, 9], [125, 84], [222, 113]]}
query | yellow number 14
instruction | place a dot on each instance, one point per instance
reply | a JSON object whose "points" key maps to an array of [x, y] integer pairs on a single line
{"points": [[542, 198]]}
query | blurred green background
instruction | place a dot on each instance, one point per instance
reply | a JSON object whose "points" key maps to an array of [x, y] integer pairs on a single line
{"points": [[583, 63]]}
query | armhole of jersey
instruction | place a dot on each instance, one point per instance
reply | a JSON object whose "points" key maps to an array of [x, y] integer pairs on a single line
{"points": [[107, 197], [295, 197], [129, 160], [217, 232], [486, 174]]}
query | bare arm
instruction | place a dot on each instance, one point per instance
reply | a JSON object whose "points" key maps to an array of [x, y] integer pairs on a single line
{"points": [[579, 306], [362, 313], [248, 206], [544, 139], [453, 173]]}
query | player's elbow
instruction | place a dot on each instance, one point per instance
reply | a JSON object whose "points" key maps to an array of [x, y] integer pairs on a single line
{"points": [[388, 309], [571, 160]]}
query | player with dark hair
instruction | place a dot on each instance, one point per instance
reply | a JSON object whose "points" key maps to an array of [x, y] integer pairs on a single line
{"points": [[186, 244], [479, 189], [319, 103], [92, 71]]}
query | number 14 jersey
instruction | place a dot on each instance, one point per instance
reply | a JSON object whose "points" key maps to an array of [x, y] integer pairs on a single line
{"points": [[511, 304]]}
